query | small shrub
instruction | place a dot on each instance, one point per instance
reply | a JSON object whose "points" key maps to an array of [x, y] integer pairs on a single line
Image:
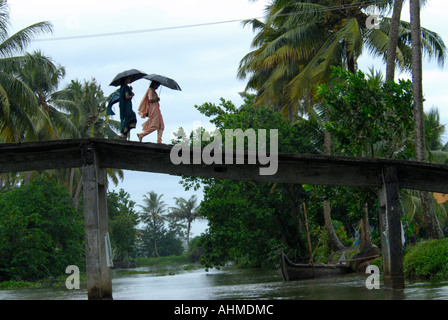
{"points": [[427, 260], [195, 251]]}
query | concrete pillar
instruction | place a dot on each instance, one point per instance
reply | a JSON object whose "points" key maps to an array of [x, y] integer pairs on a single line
{"points": [[99, 279], [390, 213]]}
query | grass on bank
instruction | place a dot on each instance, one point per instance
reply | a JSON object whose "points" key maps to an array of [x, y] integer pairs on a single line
{"points": [[54, 282], [162, 261], [427, 260]]}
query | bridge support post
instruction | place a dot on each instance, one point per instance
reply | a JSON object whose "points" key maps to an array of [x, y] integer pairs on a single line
{"points": [[94, 179], [390, 213]]}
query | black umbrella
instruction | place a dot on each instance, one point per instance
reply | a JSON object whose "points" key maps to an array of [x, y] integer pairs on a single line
{"points": [[133, 74], [164, 81]]}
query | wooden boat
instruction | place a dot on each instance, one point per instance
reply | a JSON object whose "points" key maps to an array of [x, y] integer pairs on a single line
{"points": [[293, 271]]}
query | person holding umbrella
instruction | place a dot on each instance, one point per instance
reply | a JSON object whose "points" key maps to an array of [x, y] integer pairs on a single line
{"points": [[123, 96], [150, 108], [127, 115]]}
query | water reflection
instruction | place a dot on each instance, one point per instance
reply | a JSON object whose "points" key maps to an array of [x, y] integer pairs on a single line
{"points": [[236, 284]]}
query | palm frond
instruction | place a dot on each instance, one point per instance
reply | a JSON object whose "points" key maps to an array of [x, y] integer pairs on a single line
{"points": [[17, 42], [64, 125], [4, 104]]}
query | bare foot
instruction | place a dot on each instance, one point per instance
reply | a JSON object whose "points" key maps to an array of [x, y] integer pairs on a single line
{"points": [[139, 137]]}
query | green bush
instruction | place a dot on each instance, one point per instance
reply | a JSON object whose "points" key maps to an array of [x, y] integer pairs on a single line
{"points": [[427, 260]]}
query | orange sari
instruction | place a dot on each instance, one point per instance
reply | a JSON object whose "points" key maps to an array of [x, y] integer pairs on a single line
{"points": [[149, 107]]}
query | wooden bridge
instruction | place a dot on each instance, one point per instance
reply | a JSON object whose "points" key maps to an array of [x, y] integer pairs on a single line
{"points": [[95, 155]]}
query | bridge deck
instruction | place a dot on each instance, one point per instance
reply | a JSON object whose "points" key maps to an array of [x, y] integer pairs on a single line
{"points": [[150, 157]]}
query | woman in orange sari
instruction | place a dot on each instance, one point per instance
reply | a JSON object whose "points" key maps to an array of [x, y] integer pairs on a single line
{"points": [[149, 107]]}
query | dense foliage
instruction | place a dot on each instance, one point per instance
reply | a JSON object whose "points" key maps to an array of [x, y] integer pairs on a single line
{"points": [[123, 220], [250, 222], [368, 114], [150, 232], [169, 239], [40, 232], [156, 239]]}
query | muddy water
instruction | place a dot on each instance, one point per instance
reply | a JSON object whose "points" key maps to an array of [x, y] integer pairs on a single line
{"points": [[235, 284]]}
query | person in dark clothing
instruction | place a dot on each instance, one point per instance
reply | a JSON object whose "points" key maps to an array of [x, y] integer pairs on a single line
{"points": [[127, 115]]}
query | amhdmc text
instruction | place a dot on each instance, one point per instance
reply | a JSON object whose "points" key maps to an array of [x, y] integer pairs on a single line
{"points": [[212, 153], [245, 309]]}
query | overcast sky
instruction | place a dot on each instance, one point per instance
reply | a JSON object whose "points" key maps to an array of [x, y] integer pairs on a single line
{"points": [[202, 59]]}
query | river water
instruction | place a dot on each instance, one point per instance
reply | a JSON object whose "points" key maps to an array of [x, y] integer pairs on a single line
{"points": [[231, 284]]}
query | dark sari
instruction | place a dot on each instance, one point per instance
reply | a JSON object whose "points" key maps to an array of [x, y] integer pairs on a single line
{"points": [[127, 116]]}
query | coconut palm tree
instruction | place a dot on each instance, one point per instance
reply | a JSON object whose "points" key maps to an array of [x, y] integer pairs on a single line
{"points": [[153, 211], [87, 105], [43, 77], [436, 152], [91, 119], [186, 210], [18, 104], [300, 40]]}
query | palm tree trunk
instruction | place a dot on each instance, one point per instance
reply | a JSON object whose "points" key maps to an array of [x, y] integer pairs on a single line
{"points": [[154, 234], [434, 230], [188, 233], [417, 78], [392, 51], [70, 184], [327, 136], [393, 40], [77, 195], [27, 179], [335, 243], [351, 63], [155, 247], [365, 242]]}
